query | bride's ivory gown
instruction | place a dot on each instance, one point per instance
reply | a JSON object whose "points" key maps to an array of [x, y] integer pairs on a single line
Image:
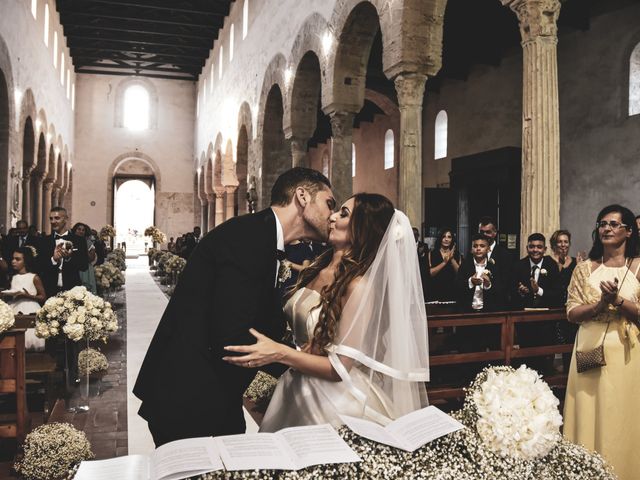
{"points": [[300, 399]]}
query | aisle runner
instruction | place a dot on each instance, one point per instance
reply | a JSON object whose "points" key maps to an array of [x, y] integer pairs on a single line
{"points": [[145, 305]]}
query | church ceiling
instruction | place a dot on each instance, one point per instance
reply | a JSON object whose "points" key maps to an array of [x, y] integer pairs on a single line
{"points": [[152, 38]]}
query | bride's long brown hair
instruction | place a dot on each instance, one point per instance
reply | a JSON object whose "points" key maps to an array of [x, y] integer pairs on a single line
{"points": [[370, 218]]}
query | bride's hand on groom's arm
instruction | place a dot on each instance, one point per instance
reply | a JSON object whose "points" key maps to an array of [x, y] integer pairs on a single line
{"points": [[264, 352]]}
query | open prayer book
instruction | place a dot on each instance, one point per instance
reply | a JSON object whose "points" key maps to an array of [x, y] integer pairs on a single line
{"points": [[409, 432], [289, 449]]}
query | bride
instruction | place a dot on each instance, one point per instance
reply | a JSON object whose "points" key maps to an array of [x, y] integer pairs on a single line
{"points": [[359, 324]]}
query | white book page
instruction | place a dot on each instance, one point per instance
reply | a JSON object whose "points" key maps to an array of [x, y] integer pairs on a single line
{"points": [[373, 431], [315, 445], [131, 467], [185, 458], [422, 426], [253, 451]]}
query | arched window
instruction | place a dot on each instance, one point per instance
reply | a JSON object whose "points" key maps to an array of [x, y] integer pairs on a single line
{"points": [[46, 24], [325, 164], [34, 9], [220, 61], [73, 97], [634, 81], [245, 19], [62, 69], [136, 108], [55, 49], [389, 150], [231, 35], [441, 135], [211, 79], [204, 95], [68, 83], [353, 159]]}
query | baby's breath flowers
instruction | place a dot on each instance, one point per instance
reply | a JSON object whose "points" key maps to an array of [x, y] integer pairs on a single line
{"points": [[91, 361], [52, 450], [261, 389], [7, 319]]}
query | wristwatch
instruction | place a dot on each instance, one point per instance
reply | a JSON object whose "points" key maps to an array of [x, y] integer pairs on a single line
{"points": [[618, 305]]}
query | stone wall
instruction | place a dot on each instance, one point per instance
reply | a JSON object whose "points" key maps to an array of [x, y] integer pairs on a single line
{"points": [[102, 145]]}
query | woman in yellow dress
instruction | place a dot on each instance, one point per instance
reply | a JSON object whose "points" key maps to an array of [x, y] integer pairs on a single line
{"points": [[601, 404]]}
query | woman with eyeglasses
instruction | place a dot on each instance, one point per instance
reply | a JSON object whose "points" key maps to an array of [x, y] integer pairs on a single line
{"points": [[601, 402]]}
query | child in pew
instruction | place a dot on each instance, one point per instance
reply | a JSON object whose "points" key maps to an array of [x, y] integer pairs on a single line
{"points": [[26, 293], [480, 289]]}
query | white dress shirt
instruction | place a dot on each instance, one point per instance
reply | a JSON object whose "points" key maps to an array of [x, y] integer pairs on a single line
{"points": [[536, 275], [279, 244], [477, 303]]}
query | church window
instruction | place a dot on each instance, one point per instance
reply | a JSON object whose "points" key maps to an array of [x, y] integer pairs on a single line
{"points": [[220, 61], [34, 8], [245, 19], [634, 81], [46, 24], [389, 149], [211, 79], [136, 108], [353, 159], [55, 49], [62, 69], [441, 135], [231, 39]]}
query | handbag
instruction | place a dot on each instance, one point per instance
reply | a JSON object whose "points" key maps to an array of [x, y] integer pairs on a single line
{"points": [[594, 358]]}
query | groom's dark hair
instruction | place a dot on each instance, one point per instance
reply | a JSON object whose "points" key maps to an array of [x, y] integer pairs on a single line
{"points": [[286, 184]]}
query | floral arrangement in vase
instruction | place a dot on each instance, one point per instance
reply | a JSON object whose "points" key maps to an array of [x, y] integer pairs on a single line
{"points": [[174, 264], [156, 235], [107, 232], [109, 276], [117, 258], [78, 314], [7, 319], [92, 361]]}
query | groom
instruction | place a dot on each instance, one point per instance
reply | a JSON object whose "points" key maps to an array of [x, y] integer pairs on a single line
{"points": [[227, 287]]}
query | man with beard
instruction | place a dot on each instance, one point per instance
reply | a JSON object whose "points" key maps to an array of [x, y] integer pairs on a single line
{"points": [[228, 286]]}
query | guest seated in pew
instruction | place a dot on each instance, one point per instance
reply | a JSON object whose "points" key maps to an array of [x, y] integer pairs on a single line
{"points": [[26, 294], [444, 263], [360, 352]]}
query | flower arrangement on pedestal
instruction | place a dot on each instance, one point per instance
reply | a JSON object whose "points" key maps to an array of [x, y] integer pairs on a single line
{"points": [[162, 258], [512, 433], [51, 451], [78, 314], [92, 361], [109, 277], [107, 232], [151, 255], [174, 265], [117, 258], [7, 318], [156, 235]]}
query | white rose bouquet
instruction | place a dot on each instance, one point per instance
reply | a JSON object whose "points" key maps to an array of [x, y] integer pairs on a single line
{"points": [[174, 264], [78, 314], [7, 318], [109, 276], [155, 234]]}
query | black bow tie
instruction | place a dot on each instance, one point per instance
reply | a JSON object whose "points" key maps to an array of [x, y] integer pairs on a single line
{"points": [[57, 235], [280, 255]]}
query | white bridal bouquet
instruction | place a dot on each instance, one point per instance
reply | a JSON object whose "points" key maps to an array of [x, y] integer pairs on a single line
{"points": [[155, 234], [78, 314], [7, 318], [109, 276], [512, 433]]}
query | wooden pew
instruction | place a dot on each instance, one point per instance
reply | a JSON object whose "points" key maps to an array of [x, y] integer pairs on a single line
{"points": [[12, 380]]}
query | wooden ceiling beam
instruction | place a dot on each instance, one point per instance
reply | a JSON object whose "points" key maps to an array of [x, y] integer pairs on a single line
{"points": [[202, 8], [96, 51], [74, 40], [77, 16], [102, 31], [128, 74]]}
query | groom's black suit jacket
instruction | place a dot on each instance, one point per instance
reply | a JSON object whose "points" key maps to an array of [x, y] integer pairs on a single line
{"points": [[79, 260], [227, 287]]}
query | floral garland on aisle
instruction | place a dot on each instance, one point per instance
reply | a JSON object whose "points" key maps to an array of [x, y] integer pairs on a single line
{"points": [[156, 235], [107, 232], [91, 361], [51, 451], [7, 319], [78, 314], [109, 276], [518, 446]]}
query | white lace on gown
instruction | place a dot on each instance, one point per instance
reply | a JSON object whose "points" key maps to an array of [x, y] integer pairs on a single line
{"points": [[300, 399]]}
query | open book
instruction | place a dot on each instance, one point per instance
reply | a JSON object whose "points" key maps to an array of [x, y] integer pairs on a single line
{"points": [[289, 449], [409, 432]]}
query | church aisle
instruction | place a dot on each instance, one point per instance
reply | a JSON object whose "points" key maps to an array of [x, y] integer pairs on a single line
{"points": [[145, 305]]}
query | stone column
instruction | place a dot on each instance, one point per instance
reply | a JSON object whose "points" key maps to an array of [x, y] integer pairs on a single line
{"points": [[203, 215], [211, 210], [341, 161], [540, 197], [299, 152], [46, 205], [26, 197], [230, 192], [37, 206], [219, 215], [55, 196], [410, 88]]}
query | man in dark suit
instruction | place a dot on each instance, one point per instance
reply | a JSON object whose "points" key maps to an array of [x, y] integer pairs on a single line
{"points": [[61, 255], [20, 239], [228, 286], [498, 254]]}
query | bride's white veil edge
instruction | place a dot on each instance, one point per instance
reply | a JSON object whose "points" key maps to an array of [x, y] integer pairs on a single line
{"points": [[383, 328]]}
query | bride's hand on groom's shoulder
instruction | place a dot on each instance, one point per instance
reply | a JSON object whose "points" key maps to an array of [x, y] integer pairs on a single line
{"points": [[263, 352]]}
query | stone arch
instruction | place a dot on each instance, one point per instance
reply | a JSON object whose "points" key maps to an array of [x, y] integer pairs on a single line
{"points": [[208, 169], [309, 40], [121, 89], [245, 119], [228, 165], [242, 166], [7, 116], [28, 115], [276, 154], [274, 75], [28, 164], [37, 177], [217, 163]]}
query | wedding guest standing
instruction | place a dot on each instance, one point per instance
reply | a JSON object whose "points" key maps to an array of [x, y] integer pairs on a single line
{"points": [[601, 404], [88, 275], [444, 263]]}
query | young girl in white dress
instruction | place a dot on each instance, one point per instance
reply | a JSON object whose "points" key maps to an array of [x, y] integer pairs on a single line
{"points": [[26, 293], [359, 325]]}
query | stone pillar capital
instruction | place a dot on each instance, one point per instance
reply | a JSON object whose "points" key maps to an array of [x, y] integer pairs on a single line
{"points": [[341, 124], [230, 189], [537, 18], [48, 184], [410, 89]]}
